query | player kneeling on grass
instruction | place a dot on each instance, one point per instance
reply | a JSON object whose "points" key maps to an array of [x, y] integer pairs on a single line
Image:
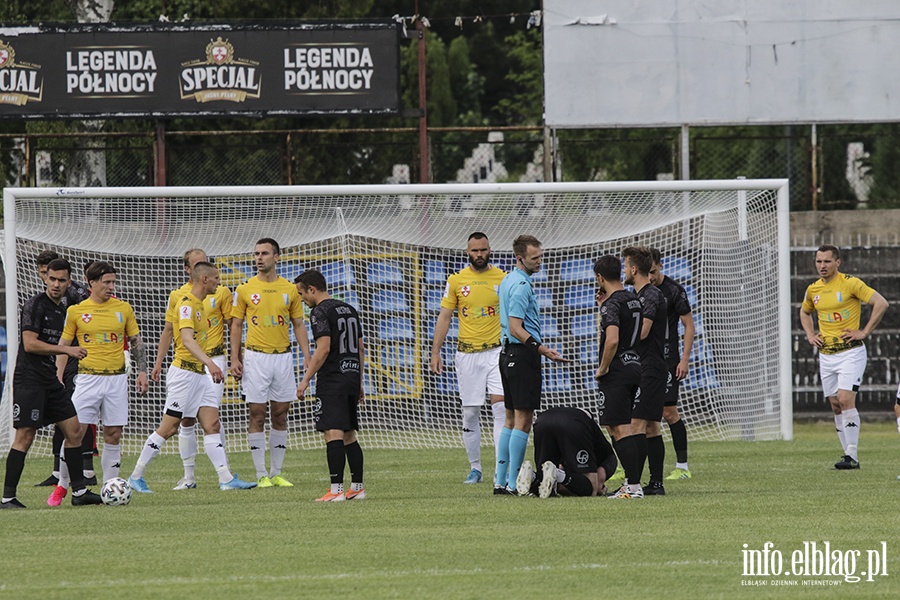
{"points": [[574, 455], [338, 359], [190, 392]]}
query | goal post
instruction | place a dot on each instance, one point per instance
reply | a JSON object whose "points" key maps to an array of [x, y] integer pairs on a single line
{"points": [[389, 249]]}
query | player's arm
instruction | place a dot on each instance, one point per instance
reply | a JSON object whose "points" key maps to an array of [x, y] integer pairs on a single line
{"points": [[609, 350], [440, 334], [33, 345], [191, 345], [879, 307], [806, 321], [362, 370], [165, 341], [323, 347], [302, 338], [646, 325], [139, 353], [518, 331], [62, 359], [681, 370], [234, 340]]}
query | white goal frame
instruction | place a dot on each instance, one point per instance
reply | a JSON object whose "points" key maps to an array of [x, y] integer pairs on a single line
{"points": [[780, 284]]}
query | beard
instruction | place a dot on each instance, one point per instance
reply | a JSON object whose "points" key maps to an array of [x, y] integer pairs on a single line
{"points": [[480, 263]]}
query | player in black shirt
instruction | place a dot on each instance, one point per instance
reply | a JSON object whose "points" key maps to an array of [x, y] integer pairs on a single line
{"points": [[619, 373], [679, 309], [651, 347], [75, 293], [574, 455], [338, 360], [38, 396]]}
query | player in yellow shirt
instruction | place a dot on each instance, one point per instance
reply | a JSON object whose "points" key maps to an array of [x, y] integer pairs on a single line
{"points": [[270, 304], [217, 307], [473, 294], [188, 389], [836, 300], [101, 324]]}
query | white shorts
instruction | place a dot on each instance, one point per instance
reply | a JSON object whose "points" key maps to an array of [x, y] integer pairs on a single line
{"points": [[214, 398], [269, 377], [101, 399], [477, 372], [187, 391], [842, 371]]}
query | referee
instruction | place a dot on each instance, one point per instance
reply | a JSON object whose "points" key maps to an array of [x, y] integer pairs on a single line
{"points": [[39, 398], [520, 359]]}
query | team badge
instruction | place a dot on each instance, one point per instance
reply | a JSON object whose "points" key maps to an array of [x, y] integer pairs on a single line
{"points": [[35, 414], [86, 317], [254, 298], [465, 290], [582, 457]]}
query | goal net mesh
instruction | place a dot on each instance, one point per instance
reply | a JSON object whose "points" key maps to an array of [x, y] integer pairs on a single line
{"points": [[390, 255]]}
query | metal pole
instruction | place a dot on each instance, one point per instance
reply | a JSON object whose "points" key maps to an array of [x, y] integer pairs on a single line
{"points": [[685, 152], [160, 147], [814, 142], [424, 175]]}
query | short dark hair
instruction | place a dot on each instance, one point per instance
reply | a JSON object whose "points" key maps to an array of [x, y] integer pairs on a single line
{"points": [[275, 247], [45, 257], [312, 277], [829, 248], [477, 236], [60, 264], [639, 256], [521, 243], [200, 267], [655, 255], [608, 267], [97, 269]]}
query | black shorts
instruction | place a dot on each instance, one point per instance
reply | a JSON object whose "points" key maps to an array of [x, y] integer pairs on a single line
{"points": [[39, 405], [564, 442], [649, 403], [672, 387], [618, 390], [337, 411], [520, 373]]}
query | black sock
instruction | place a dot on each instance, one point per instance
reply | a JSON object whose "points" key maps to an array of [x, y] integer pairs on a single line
{"points": [[72, 456], [15, 464], [656, 457], [87, 449], [578, 484], [334, 452], [355, 461], [629, 457], [642, 456], [58, 438], [679, 440]]}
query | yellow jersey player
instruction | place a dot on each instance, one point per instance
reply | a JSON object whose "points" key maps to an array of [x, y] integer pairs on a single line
{"points": [[101, 324], [472, 293], [836, 300], [270, 305], [217, 308], [189, 393]]}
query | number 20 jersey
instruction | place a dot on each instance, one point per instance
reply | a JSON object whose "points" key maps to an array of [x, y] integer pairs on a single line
{"points": [[342, 371]]}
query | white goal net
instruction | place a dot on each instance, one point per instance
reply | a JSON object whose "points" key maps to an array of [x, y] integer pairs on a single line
{"points": [[389, 249]]}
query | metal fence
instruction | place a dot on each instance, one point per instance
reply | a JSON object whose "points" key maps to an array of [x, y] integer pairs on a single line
{"points": [[829, 167]]}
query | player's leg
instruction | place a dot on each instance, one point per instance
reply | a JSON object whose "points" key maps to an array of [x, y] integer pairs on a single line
{"points": [[617, 396], [354, 453], [525, 379], [897, 413], [73, 431], [88, 445], [278, 438], [255, 384], [114, 416], [828, 374], [15, 464], [495, 390], [851, 369], [471, 382], [656, 458], [187, 449], [676, 427], [53, 479], [208, 417], [168, 427], [501, 469]]}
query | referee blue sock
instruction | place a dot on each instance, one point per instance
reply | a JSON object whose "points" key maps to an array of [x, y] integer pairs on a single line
{"points": [[502, 457], [518, 441]]}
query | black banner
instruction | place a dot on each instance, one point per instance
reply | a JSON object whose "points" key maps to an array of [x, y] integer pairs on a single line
{"points": [[108, 71]]}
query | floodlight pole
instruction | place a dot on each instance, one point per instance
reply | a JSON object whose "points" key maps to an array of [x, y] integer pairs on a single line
{"points": [[423, 111], [160, 147]]}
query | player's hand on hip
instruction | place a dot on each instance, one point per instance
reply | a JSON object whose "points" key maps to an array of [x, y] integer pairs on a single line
{"points": [[436, 366], [815, 340], [853, 335], [599, 373]]}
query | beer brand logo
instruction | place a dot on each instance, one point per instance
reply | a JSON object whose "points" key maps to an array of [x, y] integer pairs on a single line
{"points": [[254, 298], [20, 82], [86, 317], [220, 76]]}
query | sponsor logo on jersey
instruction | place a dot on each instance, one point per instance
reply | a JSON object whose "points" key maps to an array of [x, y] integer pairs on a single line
{"points": [[582, 457]]}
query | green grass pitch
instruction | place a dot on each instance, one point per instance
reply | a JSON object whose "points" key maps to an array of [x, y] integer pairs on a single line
{"points": [[423, 534]]}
